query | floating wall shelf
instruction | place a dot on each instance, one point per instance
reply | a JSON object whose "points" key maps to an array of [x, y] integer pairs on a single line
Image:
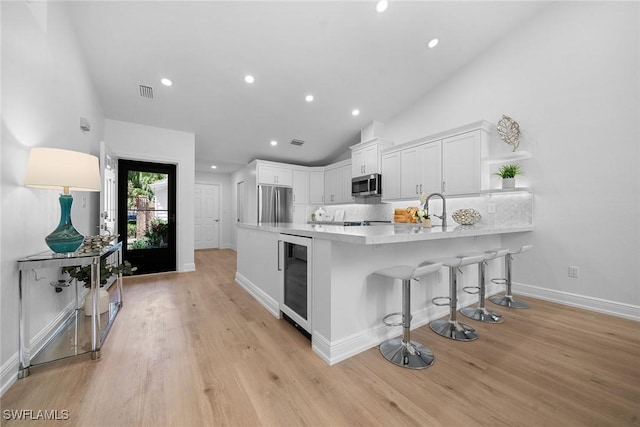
{"points": [[507, 157]]}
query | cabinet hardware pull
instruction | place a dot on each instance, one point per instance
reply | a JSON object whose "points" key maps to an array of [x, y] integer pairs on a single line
{"points": [[278, 248], [416, 188], [421, 188]]}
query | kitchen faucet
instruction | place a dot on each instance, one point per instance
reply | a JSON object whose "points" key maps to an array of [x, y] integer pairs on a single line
{"points": [[444, 208]]}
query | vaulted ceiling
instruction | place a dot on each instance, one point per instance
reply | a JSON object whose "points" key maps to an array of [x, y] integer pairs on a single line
{"points": [[344, 53]]}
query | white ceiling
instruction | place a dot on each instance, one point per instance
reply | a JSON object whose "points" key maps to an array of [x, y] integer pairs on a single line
{"points": [[344, 53]]}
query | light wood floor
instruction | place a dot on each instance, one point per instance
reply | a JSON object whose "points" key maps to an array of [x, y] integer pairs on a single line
{"points": [[194, 349]]}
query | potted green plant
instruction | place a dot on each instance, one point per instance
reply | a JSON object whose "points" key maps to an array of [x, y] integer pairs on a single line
{"points": [[508, 174], [83, 274]]}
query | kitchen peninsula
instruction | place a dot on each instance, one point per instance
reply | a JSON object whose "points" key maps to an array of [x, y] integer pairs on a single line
{"points": [[347, 302]]}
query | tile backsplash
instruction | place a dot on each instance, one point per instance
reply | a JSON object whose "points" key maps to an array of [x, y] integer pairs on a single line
{"points": [[511, 208]]}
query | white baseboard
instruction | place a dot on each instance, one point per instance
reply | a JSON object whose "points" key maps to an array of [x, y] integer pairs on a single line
{"points": [[9, 370], [259, 295], [188, 267], [9, 373], [599, 305], [226, 246]]}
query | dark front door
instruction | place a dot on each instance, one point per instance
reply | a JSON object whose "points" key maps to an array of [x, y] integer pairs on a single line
{"points": [[147, 215]]}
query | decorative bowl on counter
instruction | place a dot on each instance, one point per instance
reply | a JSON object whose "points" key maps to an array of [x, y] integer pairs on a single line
{"points": [[466, 216]]}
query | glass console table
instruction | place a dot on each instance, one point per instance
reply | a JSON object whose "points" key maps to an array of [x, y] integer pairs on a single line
{"points": [[77, 334]]}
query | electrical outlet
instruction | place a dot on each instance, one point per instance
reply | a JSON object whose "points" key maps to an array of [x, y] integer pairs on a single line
{"points": [[574, 271], [491, 208]]}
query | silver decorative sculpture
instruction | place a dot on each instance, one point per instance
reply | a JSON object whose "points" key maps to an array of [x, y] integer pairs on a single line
{"points": [[509, 131]]}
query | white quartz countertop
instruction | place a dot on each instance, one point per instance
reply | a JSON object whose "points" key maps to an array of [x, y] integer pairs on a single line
{"points": [[387, 233]]}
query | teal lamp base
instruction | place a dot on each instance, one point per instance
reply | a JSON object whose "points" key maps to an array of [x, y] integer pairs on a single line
{"points": [[65, 238]]}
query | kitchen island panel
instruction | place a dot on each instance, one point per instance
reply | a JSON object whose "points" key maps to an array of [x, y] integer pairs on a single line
{"points": [[257, 263]]}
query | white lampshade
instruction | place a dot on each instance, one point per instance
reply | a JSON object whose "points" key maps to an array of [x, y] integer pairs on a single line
{"points": [[54, 168]]}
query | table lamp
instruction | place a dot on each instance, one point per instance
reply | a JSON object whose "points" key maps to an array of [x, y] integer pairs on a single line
{"points": [[53, 168]]}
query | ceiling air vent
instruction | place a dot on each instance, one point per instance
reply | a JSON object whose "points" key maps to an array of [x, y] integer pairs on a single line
{"points": [[297, 142], [146, 91]]}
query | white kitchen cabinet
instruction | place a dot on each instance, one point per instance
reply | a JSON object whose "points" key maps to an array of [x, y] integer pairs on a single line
{"points": [[332, 185], [316, 187], [346, 185], [300, 187], [461, 166], [337, 183], [390, 170], [274, 175], [364, 161], [448, 163], [365, 157], [421, 170]]}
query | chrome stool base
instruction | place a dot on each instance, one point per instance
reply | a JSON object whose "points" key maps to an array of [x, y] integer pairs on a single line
{"points": [[413, 355], [508, 301], [454, 330], [482, 314]]}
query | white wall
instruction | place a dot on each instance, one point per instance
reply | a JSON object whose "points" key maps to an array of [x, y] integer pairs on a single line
{"points": [[139, 142], [247, 175], [45, 90], [226, 222], [570, 78]]}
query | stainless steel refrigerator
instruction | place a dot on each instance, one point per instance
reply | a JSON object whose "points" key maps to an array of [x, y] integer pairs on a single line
{"points": [[275, 204]]}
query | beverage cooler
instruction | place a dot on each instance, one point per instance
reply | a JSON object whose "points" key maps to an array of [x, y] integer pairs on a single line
{"points": [[294, 260]]}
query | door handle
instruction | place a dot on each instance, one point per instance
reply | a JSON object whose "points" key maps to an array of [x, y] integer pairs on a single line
{"points": [[217, 220], [416, 188]]}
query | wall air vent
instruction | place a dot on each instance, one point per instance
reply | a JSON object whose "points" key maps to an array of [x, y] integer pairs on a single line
{"points": [[146, 91], [297, 142]]}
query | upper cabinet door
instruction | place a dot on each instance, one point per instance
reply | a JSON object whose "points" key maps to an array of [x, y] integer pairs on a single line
{"points": [[461, 164], [390, 169], [430, 171], [316, 187], [357, 163], [300, 187], [332, 185], [346, 184], [271, 175], [365, 157], [409, 172]]}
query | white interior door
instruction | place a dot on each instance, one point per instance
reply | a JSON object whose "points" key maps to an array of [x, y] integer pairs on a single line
{"points": [[108, 196], [207, 221]]}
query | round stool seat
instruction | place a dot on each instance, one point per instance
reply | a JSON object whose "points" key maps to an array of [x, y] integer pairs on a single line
{"points": [[496, 253], [405, 272]]}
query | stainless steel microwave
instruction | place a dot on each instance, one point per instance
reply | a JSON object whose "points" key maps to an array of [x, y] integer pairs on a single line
{"points": [[367, 185]]}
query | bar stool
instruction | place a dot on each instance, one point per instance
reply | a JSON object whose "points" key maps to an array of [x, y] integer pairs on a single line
{"points": [[480, 312], [508, 300], [451, 328], [402, 351]]}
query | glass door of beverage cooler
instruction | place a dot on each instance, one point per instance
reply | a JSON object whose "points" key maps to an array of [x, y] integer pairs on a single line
{"points": [[295, 264]]}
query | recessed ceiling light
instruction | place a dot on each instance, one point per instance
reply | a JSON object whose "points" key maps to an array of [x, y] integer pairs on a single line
{"points": [[355, 112], [249, 78], [214, 167], [274, 143], [308, 98], [381, 6], [166, 82], [433, 43]]}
